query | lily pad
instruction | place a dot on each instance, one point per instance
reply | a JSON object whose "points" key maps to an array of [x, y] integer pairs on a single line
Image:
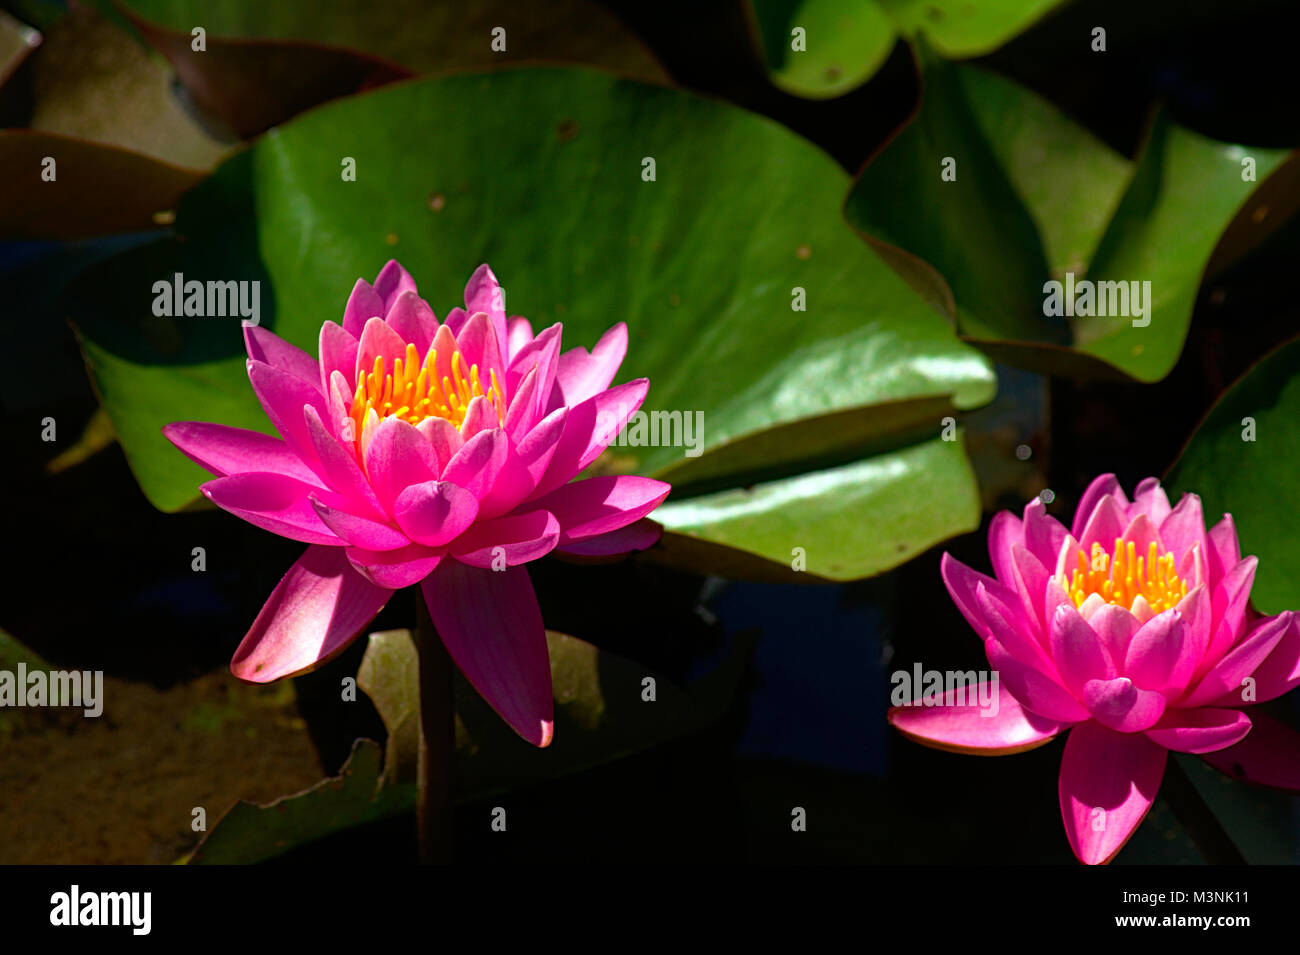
{"points": [[825, 48], [704, 261], [1001, 193], [264, 63], [845, 522], [601, 712], [96, 189], [1242, 460], [250, 833]]}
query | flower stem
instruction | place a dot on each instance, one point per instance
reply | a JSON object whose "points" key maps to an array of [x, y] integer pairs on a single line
{"points": [[1204, 828], [437, 741]]}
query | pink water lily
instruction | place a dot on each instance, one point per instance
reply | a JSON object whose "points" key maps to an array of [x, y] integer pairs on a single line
{"points": [[414, 452], [1132, 629]]}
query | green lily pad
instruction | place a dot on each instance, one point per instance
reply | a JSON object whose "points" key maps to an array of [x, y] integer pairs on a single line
{"points": [[841, 45], [1242, 460], [844, 42], [1036, 197], [845, 522], [702, 263]]}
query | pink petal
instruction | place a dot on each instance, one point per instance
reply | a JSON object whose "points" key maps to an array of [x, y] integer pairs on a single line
{"points": [[1038, 690], [519, 332], [454, 321], [1162, 656], [1108, 782], [637, 536], [966, 727], [1225, 550], [1106, 525], [1008, 624], [599, 505], [1202, 730], [225, 450], [508, 541], [340, 469], [1196, 609], [445, 346], [443, 437], [1229, 606], [393, 569], [1115, 627], [284, 397], [413, 320], [1078, 652], [963, 583], [588, 430], [1103, 486], [492, 627], [580, 375], [359, 531], [542, 353], [479, 416], [398, 456], [1005, 532], [1149, 498], [480, 346], [363, 305], [1227, 675], [483, 294], [378, 341], [315, 611], [525, 466], [272, 502], [1142, 532], [1183, 529], [1032, 580], [266, 346], [1044, 534], [435, 512], [391, 282], [1268, 756], [1280, 671], [1122, 706], [338, 352], [476, 465], [522, 414]]}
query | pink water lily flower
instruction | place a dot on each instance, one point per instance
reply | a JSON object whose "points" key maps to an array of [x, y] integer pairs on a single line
{"points": [[1133, 630], [415, 452]]}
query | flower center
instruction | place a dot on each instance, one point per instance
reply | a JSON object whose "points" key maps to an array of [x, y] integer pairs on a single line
{"points": [[414, 391], [1121, 577]]}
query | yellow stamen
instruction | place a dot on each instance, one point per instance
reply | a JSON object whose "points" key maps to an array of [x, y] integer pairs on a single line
{"points": [[415, 391], [1120, 577]]}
